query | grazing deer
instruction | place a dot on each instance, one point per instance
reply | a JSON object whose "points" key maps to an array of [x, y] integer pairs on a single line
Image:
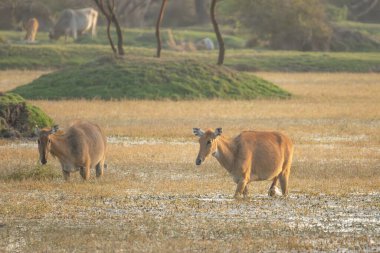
{"points": [[81, 147], [250, 156], [31, 27]]}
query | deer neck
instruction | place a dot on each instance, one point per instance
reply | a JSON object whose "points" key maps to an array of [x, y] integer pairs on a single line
{"points": [[224, 152], [57, 148]]}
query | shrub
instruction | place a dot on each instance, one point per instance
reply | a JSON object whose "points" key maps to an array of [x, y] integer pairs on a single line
{"points": [[286, 24]]}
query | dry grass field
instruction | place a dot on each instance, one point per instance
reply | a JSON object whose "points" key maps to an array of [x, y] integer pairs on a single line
{"points": [[154, 199]]}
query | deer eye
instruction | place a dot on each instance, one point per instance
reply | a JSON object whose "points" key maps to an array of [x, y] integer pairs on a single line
{"points": [[208, 142], [49, 141]]}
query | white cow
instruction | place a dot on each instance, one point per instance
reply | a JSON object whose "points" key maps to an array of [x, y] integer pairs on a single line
{"points": [[75, 22], [205, 44]]}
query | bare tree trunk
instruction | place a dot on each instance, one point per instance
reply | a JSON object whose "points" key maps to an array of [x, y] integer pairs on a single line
{"points": [[111, 8], [119, 37], [217, 32], [109, 36], [158, 24], [109, 13]]}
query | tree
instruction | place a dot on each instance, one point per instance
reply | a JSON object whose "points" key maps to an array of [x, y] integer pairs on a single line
{"points": [[217, 32], [109, 12], [360, 9], [286, 24], [363, 10], [158, 24]]}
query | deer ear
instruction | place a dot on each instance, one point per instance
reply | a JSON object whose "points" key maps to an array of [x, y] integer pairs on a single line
{"points": [[198, 132], [54, 129], [218, 131], [36, 130]]}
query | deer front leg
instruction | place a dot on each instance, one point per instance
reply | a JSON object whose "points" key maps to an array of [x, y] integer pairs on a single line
{"points": [[245, 192], [85, 170], [66, 175], [241, 187], [65, 171]]}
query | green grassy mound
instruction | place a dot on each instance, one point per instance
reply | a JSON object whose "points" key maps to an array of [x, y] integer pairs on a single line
{"points": [[19, 118], [149, 78]]}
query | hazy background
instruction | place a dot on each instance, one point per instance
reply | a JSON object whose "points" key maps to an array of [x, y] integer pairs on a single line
{"points": [[313, 25]]}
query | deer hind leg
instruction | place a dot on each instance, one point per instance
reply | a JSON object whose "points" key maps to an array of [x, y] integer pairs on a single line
{"points": [[284, 175], [100, 168]]}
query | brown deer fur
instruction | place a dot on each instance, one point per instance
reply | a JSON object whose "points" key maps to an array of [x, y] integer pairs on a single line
{"points": [[250, 156], [81, 147], [31, 27]]}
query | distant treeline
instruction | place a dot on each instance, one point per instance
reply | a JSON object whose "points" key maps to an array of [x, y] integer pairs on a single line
{"points": [[287, 24]]}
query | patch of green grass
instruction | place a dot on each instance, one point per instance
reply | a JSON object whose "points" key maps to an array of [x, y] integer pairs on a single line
{"points": [[47, 56], [141, 42], [292, 61], [149, 78], [38, 172], [8, 99], [17, 117], [146, 37], [58, 56], [136, 37], [371, 30]]}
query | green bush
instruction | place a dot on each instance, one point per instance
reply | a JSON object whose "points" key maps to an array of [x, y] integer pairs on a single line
{"points": [[286, 24]]}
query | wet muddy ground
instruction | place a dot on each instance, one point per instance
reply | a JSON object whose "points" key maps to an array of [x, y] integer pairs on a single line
{"points": [[147, 223], [165, 203]]}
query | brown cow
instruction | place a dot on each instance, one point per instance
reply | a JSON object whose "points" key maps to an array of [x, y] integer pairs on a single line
{"points": [[250, 156], [81, 147], [31, 27]]}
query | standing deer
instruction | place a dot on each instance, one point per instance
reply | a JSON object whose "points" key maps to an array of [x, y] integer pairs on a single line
{"points": [[250, 156], [31, 28], [81, 147]]}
